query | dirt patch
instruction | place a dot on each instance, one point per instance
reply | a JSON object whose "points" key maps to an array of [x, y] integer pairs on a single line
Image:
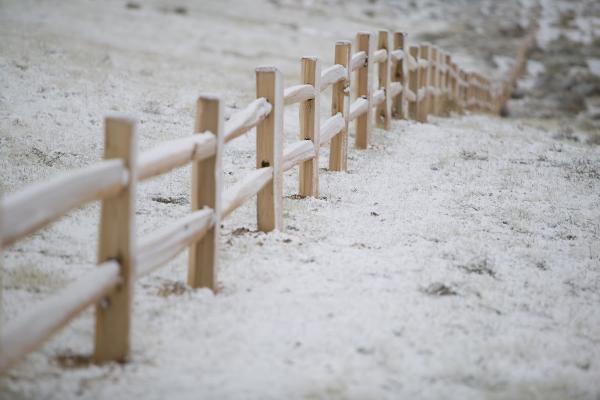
{"points": [[179, 200], [439, 289], [480, 266]]}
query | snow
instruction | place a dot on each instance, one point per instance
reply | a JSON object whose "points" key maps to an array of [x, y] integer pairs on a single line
{"points": [[455, 259]]}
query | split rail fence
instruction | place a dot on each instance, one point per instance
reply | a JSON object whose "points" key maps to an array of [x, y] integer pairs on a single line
{"points": [[412, 82]]}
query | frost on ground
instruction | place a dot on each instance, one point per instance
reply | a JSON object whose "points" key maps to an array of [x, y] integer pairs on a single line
{"points": [[456, 259]]}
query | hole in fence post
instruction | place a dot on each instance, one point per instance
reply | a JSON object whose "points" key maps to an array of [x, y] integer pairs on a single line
{"points": [[398, 74], [364, 88], [206, 192], [423, 83], [117, 241], [340, 103], [384, 109], [413, 83], [269, 148], [308, 174]]}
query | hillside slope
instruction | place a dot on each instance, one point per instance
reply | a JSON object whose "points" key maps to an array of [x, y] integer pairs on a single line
{"points": [[455, 259]]}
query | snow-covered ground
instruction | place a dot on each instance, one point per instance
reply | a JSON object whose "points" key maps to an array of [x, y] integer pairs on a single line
{"points": [[455, 259]]}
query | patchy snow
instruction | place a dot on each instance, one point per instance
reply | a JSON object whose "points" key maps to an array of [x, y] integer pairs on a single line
{"points": [[456, 259]]}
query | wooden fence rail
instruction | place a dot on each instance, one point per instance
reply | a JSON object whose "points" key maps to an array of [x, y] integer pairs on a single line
{"points": [[411, 83]]}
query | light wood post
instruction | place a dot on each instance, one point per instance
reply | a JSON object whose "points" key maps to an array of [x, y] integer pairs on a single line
{"points": [[433, 97], [470, 91], [309, 127], [447, 108], [383, 114], [463, 90], [117, 242], [454, 86], [399, 75], [423, 84], [413, 84], [340, 102], [206, 192], [365, 89], [442, 68], [269, 149]]}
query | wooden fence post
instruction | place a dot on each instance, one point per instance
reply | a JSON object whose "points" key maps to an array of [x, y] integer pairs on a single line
{"points": [[383, 114], [206, 192], [442, 68], [470, 91], [365, 89], [399, 75], [340, 102], [269, 149], [454, 86], [117, 242], [413, 83], [309, 127], [447, 107], [433, 97], [423, 84], [463, 90]]}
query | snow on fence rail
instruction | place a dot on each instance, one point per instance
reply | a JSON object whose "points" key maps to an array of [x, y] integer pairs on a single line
{"points": [[412, 82]]}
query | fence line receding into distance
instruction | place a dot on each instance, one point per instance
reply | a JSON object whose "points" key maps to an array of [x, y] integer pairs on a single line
{"points": [[390, 78]]}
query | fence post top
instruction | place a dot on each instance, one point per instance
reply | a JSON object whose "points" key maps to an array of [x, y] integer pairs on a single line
{"points": [[209, 96], [364, 33], [120, 118], [266, 68], [343, 43], [310, 58]]}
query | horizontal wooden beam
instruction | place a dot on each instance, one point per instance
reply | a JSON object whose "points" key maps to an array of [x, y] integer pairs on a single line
{"points": [[379, 55], [245, 189], [158, 248], [332, 75], [358, 60], [39, 204], [175, 153], [246, 119], [298, 94], [298, 152], [397, 55], [331, 127], [358, 108], [378, 97], [38, 323], [395, 89]]}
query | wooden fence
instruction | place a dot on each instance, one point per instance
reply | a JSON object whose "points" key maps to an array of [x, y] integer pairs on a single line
{"points": [[391, 80]]}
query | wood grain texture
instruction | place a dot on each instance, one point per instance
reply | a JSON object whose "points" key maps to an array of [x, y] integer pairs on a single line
{"points": [[423, 108], [117, 242], [340, 103], [399, 74], [269, 149], [383, 112], [364, 42], [206, 192], [413, 85], [308, 175]]}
